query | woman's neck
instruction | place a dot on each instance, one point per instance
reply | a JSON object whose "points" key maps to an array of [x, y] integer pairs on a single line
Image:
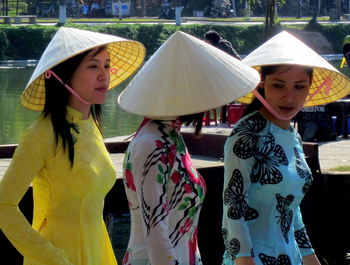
{"points": [[284, 124], [81, 107]]}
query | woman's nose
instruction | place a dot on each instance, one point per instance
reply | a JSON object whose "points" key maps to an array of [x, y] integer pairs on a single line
{"points": [[103, 74], [289, 96]]}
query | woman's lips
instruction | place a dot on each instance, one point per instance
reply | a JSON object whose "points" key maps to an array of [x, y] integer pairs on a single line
{"points": [[286, 109], [102, 89]]}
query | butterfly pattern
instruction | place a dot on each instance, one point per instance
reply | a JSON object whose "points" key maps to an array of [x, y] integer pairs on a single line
{"points": [[286, 217], [302, 238], [266, 174], [248, 142], [269, 157], [232, 246], [235, 197], [303, 171], [280, 260]]}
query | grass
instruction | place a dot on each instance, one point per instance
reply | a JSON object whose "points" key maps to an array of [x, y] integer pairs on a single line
{"points": [[340, 168], [157, 20]]}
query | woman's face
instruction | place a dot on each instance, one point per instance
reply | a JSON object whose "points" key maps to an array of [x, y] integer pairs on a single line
{"points": [[91, 78], [286, 89]]}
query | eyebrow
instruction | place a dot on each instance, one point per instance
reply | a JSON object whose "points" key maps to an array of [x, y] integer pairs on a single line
{"points": [[97, 60], [283, 81]]}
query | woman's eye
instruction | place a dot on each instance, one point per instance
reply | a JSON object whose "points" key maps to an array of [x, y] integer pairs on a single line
{"points": [[107, 66], [300, 87], [278, 85]]}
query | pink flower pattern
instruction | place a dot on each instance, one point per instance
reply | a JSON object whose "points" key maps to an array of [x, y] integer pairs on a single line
{"points": [[129, 179], [192, 247], [183, 190]]}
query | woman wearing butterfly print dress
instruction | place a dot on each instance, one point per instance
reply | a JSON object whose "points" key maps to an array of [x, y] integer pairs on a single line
{"points": [[164, 190], [266, 175]]}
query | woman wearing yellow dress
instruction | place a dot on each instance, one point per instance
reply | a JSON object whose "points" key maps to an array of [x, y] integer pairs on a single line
{"points": [[62, 155]]}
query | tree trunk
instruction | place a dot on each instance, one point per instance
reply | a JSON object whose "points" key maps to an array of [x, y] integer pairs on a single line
{"points": [[319, 8], [143, 8], [338, 8], [233, 7], [270, 18], [299, 9]]}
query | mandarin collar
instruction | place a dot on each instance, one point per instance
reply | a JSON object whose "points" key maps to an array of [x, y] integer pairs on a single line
{"points": [[74, 114]]}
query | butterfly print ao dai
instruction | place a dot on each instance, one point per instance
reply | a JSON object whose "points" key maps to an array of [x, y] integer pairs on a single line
{"points": [[165, 194], [266, 177]]}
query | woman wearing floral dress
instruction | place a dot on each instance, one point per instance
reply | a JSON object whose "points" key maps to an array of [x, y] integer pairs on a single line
{"points": [[266, 175], [164, 190]]}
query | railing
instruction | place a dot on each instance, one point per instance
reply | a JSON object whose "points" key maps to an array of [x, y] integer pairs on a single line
{"points": [[18, 63]]}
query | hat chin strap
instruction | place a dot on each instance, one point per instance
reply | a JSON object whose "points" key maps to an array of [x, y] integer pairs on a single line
{"points": [[271, 110], [326, 84], [48, 74]]}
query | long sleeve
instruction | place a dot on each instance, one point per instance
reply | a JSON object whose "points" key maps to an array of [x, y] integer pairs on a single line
{"points": [[236, 208], [151, 176], [301, 236], [29, 159]]}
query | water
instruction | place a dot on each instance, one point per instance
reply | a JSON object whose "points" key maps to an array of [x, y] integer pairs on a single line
{"points": [[14, 119]]}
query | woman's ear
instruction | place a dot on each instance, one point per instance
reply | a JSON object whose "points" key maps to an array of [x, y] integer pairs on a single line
{"points": [[261, 85]]}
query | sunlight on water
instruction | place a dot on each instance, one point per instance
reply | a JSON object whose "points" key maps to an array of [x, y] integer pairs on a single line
{"points": [[14, 119]]}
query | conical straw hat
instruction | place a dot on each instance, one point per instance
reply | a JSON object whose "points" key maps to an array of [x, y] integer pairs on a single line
{"points": [[126, 57], [186, 76], [284, 48]]}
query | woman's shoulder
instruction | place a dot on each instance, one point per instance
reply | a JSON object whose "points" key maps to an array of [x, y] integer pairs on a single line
{"points": [[40, 129], [253, 122]]}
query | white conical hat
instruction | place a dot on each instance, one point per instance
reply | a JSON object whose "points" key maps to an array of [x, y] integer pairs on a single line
{"points": [[186, 76], [126, 57], [284, 48]]}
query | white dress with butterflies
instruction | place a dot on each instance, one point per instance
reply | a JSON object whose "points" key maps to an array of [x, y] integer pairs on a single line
{"points": [[266, 177]]}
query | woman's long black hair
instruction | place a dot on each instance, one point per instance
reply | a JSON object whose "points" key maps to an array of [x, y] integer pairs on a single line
{"points": [[56, 101], [268, 70], [195, 119]]}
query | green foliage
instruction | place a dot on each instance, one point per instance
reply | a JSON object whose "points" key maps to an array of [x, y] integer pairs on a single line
{"points": [[4, 43], [335, 34], [28, 42]]}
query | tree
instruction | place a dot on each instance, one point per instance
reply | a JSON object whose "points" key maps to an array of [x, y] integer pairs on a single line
{"points": [[233, 7], [248, 4], [271, 19]]}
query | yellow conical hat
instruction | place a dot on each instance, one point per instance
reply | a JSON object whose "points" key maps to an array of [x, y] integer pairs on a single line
{"points": [[126, 57], [328, 83]]}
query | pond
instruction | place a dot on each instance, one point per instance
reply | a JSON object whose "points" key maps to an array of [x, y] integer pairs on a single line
{"points": [[14, 119]]}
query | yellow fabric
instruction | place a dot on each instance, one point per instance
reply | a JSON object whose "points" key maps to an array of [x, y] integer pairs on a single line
{"points": [[68, 226]]}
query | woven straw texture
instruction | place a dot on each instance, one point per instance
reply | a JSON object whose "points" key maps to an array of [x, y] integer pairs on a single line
{"points": [[126, 57], [284, 48]]}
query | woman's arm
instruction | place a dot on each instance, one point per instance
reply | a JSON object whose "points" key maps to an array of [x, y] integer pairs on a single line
{"points": [[151, 173], [236, 208], [245, 261], [28, 160], [311, 260]]}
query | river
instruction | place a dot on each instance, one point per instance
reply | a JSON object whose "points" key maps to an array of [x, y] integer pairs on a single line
{"points": [[14, 119]]}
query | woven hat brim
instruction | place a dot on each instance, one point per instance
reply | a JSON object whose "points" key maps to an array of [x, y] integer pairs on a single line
{"points": [[126, 57], [340, 88], [186, 76], [284, 48]]}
